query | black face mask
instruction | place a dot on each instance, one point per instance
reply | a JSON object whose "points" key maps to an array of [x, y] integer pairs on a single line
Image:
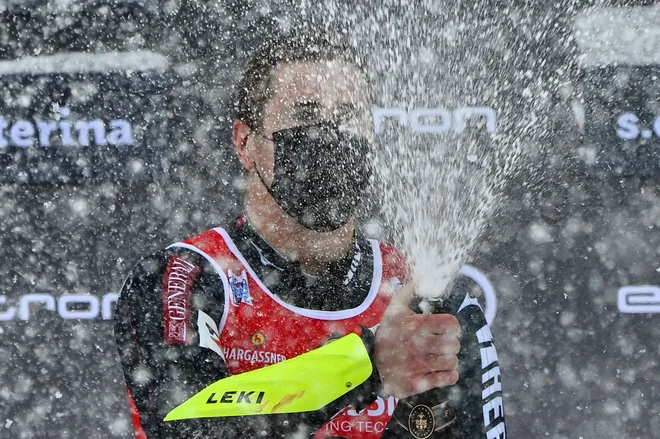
{"points": [[320, 174]]}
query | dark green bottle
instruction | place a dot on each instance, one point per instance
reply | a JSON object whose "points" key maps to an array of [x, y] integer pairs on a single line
{"points": [[428, 415]]}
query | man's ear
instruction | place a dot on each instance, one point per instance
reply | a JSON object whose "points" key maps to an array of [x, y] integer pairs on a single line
{"points": [[240, 136]]}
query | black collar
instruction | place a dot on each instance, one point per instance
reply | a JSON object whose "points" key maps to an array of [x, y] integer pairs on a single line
{"points": [[345, 284]]}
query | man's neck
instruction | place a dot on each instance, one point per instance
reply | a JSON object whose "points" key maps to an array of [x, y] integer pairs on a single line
{"points": [[313, 250]]}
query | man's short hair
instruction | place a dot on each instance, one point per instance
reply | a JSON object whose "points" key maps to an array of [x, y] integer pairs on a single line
{"points": [[254, 89]]}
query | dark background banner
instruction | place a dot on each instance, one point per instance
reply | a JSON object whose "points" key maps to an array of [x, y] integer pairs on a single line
{"points": [[572, 257]]}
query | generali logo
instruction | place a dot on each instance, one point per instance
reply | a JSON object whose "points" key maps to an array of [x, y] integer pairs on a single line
{"points": [[177, 301], [64, 130]]}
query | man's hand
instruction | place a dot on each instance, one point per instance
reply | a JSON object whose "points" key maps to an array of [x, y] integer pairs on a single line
{"points": [[415, 352]]}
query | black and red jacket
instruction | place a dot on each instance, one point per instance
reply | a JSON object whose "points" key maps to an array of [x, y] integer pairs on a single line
{"points": [[225, 302]]}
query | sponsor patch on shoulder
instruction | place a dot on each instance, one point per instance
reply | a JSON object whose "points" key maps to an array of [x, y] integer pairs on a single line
{"points": [[177, 301]]}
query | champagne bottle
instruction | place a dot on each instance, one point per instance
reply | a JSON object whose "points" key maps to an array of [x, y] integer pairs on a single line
{"points": [[428, 415]]}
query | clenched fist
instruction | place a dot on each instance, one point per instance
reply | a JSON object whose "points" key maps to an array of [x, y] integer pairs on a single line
{"points": [[415, 352]]}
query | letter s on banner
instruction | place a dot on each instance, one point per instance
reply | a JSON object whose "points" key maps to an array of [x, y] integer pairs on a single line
{"points": [[639, 299]]}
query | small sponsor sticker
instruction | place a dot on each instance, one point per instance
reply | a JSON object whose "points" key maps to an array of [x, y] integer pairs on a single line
{"points": [[258, 338], [240, 291]]}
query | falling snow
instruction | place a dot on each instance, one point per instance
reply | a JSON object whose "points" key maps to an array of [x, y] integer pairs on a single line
{"points": [[558, 205]]}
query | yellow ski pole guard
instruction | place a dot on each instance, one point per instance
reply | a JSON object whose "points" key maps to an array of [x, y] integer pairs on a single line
{"points": [[305, 383]]}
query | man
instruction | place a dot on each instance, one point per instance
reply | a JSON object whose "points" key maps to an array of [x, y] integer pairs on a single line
{"points": [[293, 276]]}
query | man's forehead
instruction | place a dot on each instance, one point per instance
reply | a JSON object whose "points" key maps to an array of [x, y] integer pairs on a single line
{"points": [[319, 80]]}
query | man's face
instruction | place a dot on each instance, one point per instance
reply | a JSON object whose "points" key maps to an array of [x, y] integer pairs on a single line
{"points": [[306, 93]]}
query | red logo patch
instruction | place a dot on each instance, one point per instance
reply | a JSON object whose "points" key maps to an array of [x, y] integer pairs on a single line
{"points": [[177, 306]]}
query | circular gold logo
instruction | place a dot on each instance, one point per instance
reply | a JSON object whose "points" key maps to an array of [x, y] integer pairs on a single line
{"points": [[421, 422], [258, 338]]}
